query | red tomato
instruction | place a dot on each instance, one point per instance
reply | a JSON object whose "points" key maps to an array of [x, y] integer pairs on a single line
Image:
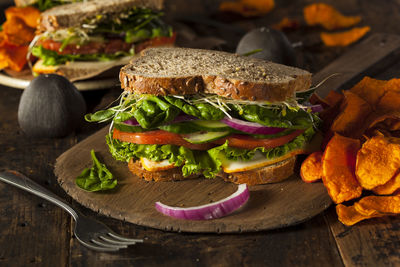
{"points": [[158, 137], [108, 47], [156, 41], [248, 142], [72, 49]]}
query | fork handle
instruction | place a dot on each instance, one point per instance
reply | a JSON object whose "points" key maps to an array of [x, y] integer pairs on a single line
{"points": [[21, 181]]}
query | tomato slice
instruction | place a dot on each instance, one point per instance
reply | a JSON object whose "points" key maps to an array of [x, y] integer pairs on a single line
{"points": [[158, 137], [156, 41], [109, 46], [248, 142]]}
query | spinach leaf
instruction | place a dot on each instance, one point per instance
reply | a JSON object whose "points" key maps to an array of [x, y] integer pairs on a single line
{"points": [[283, 118], [152, 111], [100, 116], [203, 111], [96, 178]]}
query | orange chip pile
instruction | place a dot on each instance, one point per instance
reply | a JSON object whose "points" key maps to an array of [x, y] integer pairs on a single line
{"points": [[363, 153], [18, 31], [248, 8]]}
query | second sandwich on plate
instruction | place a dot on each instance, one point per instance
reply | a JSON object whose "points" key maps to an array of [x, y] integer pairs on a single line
{"points": [[83, 39], [186, 113]]}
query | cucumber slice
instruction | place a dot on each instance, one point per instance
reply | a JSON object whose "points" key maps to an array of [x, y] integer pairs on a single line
{"points": [[204, 137], [129, 128], [211, 126]]}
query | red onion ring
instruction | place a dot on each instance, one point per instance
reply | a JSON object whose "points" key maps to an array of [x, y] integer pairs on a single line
{"points": [[213, 210], [250, 127]]}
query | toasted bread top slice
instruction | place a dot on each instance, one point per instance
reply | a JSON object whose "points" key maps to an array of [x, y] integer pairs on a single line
{"points": [[75, 14], [183, 71]]}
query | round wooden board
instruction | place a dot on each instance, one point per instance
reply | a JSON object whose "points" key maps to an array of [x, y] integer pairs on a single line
{"points": [[269, 207]]}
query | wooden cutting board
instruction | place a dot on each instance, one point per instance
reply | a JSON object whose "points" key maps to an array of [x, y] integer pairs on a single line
{"points": [[269, 207]]}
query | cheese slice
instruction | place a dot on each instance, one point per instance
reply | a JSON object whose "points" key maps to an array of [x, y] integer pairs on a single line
{"points": [[152, 166], [258, 161]]}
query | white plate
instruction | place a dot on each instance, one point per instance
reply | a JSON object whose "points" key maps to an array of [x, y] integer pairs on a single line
{"points": [[85, 85]]}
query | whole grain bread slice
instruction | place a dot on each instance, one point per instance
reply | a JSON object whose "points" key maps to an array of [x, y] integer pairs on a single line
{"points": [[265, 175], [75, 14], [182, 71]]}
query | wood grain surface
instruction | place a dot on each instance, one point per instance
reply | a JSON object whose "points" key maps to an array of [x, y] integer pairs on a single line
{"points": [[36, 233], [270, 206]]}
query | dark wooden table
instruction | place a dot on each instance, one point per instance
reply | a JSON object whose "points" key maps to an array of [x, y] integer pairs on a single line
{"points": [[36, 233]]}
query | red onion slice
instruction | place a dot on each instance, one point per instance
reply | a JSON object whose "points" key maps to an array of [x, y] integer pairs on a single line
{"points": [[213, 210], [250, 127], [315, 108]]}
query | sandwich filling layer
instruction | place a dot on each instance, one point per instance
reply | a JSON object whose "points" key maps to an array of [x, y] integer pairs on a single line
{"points": [[206, 134]]}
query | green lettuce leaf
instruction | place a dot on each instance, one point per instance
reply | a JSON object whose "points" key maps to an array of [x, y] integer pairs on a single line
{"points": [[208, 162], [52, 58]]}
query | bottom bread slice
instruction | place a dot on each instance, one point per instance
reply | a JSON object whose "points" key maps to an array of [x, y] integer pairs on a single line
{"points": [[265, 175]]}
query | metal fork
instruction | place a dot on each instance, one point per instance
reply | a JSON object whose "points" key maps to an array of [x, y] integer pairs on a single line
{"points": [[91, 233]]}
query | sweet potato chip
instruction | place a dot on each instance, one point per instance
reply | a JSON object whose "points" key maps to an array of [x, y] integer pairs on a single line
{"points": [[13, 56], [393, 85], [248, 8], [389, 188], [311, 168], [389, 102], [387, 125], [369, 89], [286, 24], [29, 15], [17, 32], [378, 161], [350, 216], [334, 98], [378, 205], [344, 38], [351, 121], [338, 164], [328, 17]]}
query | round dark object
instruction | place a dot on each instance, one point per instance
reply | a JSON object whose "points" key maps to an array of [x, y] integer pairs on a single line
{"points": [[50, 106], [274, 46]]}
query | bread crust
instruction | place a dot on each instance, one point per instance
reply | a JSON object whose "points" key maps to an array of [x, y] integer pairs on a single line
{"points": [[174, 174], [240, 89], [74, 14], [265, 175]]}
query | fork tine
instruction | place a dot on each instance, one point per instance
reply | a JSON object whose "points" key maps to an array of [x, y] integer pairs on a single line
{"points": [[121, 238], [107, 244], [113, 240], [97, 247]]}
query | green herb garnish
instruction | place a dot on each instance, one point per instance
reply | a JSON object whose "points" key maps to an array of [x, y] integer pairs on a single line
{"points": [[96, 178]]}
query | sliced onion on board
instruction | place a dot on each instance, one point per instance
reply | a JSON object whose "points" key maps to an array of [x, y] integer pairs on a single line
{"points": [[250, 127], [213, 210]]}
